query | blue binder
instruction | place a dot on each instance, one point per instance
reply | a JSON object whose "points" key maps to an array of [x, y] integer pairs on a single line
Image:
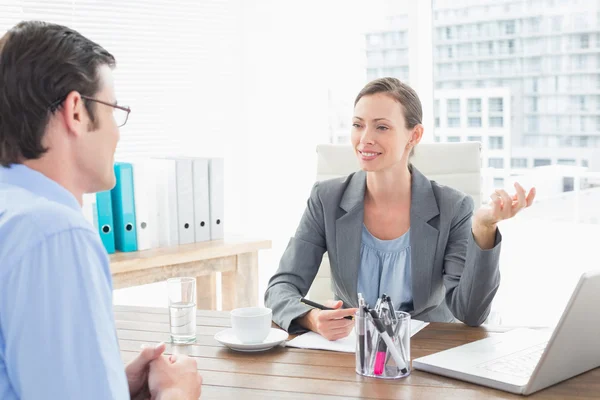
{"points": [[123, 204], [104, 220]]}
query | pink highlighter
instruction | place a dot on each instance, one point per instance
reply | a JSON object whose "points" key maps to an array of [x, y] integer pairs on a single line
{"points": [[380, 357]]}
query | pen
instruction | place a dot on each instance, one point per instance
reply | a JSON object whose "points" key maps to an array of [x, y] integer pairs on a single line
{"points": [[361, 331], [392, 308], [321, 307], [372, 315]]}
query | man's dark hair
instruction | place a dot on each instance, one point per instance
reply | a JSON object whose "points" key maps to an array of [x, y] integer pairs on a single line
{"points": [[40, 64]]}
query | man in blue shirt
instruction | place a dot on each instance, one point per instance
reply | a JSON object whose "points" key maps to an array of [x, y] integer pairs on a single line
{"points": [[59, 124]]}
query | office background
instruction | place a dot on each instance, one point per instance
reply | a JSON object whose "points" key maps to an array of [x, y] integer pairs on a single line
{"points": [[262, 82]]}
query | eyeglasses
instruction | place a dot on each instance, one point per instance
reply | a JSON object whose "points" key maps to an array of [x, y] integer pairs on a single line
{"points": [[120, 113]]}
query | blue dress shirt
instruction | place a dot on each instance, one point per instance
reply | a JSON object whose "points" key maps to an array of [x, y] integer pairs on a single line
{"points": [[57, 330], [385, 267]]}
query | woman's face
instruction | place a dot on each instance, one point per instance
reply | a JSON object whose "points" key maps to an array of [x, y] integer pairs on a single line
{"points": [[379, 134]]}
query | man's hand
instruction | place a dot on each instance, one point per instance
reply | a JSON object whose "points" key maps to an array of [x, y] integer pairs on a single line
{"points": [[137, 371], [174, 377]]}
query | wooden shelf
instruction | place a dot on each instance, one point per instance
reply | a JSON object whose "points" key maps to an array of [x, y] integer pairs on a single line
{"points": [[189, 253]]}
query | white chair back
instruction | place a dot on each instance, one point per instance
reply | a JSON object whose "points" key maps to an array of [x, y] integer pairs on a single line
{"points": [[457, 165]]}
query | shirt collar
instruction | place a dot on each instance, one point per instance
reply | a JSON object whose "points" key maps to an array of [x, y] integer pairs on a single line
{"points": [[37, 183]]}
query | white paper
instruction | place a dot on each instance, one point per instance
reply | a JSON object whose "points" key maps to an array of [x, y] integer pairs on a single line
{"points": [[311, 340]]}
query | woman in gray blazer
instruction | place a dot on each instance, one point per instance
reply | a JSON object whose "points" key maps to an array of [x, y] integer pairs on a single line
{"points": [[389, 229]]}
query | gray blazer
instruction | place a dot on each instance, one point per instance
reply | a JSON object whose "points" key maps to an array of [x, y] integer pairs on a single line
{"points": [[452, 277]]}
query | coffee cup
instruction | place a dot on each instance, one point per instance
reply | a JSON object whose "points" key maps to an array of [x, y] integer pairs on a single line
{"points": [[251, 324]]}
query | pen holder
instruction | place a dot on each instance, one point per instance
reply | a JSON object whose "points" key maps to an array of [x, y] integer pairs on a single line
{"points": [[374, 358]]}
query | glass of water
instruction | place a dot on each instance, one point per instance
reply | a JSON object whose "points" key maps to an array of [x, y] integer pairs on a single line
{"points": [[182, 309]]}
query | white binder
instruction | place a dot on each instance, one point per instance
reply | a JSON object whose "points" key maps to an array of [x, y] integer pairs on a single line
{"points": [[166, 189], [216, 181], [201, 200], [185, 201], [146, 203], [89, 209]]}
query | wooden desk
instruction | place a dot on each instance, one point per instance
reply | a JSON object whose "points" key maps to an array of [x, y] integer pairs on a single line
{"points": [[235, 258], [288, 373]]}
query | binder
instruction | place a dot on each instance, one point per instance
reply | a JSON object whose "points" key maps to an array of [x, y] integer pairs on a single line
{"points": [[146, 207], [216, 170], [103, 219], [123, 203], [88, 209], [185, 200], [201, 200], [166, 188]]}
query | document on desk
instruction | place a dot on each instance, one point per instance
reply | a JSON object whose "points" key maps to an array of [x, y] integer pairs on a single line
{"points": [[311, 340]]}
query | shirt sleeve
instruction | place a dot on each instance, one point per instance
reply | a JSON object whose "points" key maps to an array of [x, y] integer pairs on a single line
{"points": [[57, 319]]}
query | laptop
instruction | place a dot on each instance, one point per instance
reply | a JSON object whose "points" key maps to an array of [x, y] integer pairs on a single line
{"points": [[523, 361]]}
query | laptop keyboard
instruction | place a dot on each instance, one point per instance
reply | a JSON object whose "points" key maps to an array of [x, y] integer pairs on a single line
{"points": [[519, 364]]}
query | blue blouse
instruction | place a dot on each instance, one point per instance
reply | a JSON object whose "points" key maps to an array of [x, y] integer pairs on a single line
{"points": [[385, 267]]}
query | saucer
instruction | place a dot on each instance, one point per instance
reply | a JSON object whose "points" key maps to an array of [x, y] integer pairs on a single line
{"points": [[228, 338]]}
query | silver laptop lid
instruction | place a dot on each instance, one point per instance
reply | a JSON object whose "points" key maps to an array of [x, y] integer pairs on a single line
{"points": [[574, 346]]}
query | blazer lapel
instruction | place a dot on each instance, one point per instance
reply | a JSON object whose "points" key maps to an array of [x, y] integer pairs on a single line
{"points": [[348, 229], [423, 238]]}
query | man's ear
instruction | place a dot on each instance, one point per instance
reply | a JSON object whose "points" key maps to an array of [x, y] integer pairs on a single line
{"points": [[74, 114]]}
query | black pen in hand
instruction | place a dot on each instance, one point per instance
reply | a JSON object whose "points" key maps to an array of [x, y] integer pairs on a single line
{"points": [[321, 307]]}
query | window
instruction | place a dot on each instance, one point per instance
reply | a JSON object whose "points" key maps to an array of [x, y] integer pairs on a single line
{"points": [[373, 40], [474, 105], [541, 162], [496, 163], [496, 122], [557, 23], [496, 142], [474, 122], [568, 184], [509, 27], [436, 138], [518, 163], [449, 33], [579, 61], [465, 50], [511, 47], [585, 163], [566, 161], [486, 67], [532, 104], [533, 124], [453, 122], [584, 41], [556, 44], [533, 64], [496, 104], [449, 51], [453, 106], [475, 139], [372, 74], [453, 139], [498, 183]]}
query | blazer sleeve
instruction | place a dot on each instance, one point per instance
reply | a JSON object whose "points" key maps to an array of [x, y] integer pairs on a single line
{"points": [[298, 267], [471, 275]]}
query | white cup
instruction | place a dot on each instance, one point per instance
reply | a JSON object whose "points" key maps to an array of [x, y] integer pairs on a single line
{"points": [[251, 324]]}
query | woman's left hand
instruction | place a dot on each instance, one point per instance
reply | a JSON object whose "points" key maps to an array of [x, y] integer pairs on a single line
{"points": [[502, 207]]}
